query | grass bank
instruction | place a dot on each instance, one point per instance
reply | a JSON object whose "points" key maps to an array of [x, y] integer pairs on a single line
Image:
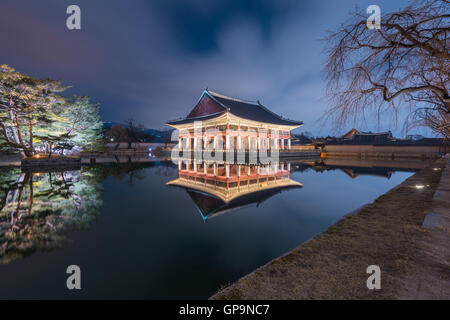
{"points": [[389, 233]]}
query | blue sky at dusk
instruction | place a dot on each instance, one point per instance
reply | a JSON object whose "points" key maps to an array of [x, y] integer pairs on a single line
{"points": [[151, 60]]}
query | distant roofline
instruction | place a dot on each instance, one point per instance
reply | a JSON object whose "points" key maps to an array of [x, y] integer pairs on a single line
{"points": [[362, 133]]}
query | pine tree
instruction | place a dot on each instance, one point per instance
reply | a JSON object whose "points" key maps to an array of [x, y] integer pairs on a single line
{"points": [[83, 130], [34, 117], [24, 105]]}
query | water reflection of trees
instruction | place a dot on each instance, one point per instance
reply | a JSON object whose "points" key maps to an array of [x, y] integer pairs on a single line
{"points": [[36, 207]]}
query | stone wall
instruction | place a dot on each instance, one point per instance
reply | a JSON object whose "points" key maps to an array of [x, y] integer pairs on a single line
{"points": [[370, 151], [44, 161]]}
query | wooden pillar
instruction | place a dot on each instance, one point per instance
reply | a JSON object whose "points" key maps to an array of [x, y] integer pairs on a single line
{"points": [[289, 144], [188, 142], [258, 140], [227, 137]]}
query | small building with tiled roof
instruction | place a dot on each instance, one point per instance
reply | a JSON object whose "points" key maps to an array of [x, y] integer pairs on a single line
{"points": [[243, 124], [357, 137]]}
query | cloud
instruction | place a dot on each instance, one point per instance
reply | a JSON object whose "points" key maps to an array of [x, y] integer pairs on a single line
{"points": [[283, 71], [151, 60]]}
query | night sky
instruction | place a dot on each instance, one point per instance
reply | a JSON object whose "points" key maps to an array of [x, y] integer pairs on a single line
{"points": [[151, 60]]}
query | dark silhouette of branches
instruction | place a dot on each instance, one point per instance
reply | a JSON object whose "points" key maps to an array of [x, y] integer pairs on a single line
{"points": [[405, 63]]}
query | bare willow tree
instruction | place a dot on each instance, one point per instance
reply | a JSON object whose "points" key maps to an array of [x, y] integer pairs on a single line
{"points": [[405, 64]]}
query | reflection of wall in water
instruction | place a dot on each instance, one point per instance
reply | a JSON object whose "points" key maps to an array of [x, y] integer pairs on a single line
{"points": [[357, 167]]}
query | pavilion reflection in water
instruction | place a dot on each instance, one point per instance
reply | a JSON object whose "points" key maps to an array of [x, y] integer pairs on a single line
{"points": [[217, 188]]}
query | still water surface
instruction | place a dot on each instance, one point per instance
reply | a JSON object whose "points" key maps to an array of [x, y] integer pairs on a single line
{"points": [[136, 237]]}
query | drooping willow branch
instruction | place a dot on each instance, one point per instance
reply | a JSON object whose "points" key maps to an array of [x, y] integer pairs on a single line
{"points": [[405, 64]]}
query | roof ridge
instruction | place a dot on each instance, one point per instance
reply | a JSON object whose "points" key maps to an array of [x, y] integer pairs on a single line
{"points": [[220, 95]]}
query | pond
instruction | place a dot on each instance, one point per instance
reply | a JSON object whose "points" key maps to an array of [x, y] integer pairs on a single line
{"points": [[158, 230]]}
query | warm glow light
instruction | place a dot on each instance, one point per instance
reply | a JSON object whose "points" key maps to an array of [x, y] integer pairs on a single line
{"points": [[419, 186]]}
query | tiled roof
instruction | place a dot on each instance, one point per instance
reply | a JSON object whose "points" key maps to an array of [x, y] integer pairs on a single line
{"points": [[209, 205], [243, 109]]}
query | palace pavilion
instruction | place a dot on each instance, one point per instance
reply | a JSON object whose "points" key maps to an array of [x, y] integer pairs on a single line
{"points": [[230, 123]]}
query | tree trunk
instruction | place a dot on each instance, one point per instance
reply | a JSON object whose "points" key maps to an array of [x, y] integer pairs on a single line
{"points": [[30, 129], [5, 132], [14, 131], [17, 133], [30, 199]]}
